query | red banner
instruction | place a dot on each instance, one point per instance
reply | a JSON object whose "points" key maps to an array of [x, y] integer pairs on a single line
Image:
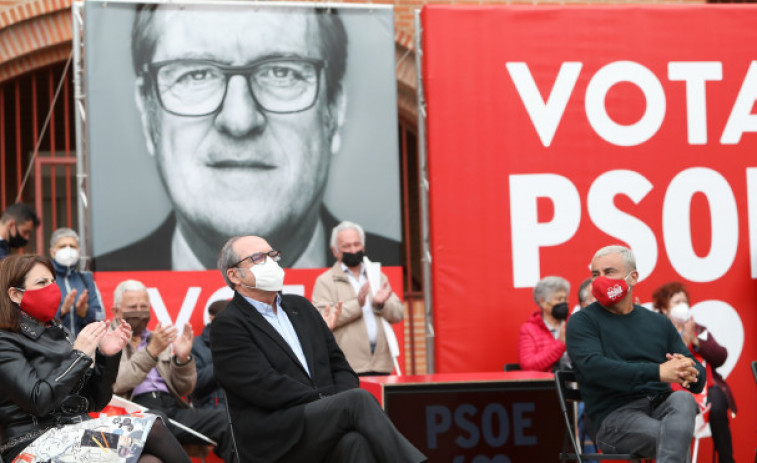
{"points": [[554, 131]]}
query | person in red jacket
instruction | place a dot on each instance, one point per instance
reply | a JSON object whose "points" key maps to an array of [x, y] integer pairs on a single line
{"points": [[541, 345], [672, 300]]}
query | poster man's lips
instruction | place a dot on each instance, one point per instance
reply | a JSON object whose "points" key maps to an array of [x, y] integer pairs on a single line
{"points": [[240, 164]]}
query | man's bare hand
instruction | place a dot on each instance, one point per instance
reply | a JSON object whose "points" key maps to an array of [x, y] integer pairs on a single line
{"points": [[68, 302], [363, 293], [161, 338], [382, 295], [678, 369], [82, 304], [331, 315], [182, 346]]}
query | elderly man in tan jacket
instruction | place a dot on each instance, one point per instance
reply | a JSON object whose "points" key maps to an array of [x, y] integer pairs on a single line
{"points": [[358, 326], [157, 370]]}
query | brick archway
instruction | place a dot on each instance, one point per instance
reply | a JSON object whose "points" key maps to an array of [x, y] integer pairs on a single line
{"points": [[34, 34]]}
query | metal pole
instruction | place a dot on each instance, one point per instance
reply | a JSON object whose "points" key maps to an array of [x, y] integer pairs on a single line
{"points": [[424, 186], [82, 152]]}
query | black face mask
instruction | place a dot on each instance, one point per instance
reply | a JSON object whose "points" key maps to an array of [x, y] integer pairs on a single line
{"points": [[560, 311], [353, 259], [17, 241]]}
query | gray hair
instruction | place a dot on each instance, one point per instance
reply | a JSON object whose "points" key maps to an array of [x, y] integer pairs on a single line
{"points": [[346, 225], [583, 290], [548, 286], [124, 286], [626, 253], [227, 258], [62, 233]]}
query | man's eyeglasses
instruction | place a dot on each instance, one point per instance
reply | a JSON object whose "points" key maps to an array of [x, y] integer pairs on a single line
{"points": [[259, 257], [196, 87]]}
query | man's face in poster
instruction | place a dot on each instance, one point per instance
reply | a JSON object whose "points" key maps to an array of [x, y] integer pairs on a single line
{"points": [[240, 115]]}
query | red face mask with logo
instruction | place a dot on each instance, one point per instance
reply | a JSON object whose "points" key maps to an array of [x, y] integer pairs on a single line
{"points": [[41, 303], [609, 291]]}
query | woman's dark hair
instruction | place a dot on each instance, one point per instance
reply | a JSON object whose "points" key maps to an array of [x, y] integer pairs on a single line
{"points": [[13, 271], [662, 295]]}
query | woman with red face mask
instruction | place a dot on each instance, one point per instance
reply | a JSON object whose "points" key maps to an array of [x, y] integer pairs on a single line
{"points": [[49, 382]]}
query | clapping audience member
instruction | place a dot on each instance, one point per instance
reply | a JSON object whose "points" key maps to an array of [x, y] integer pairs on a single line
{"points": [[157, 370], [359, 316], [49, 382], [541, 345], [672, 299], [207, 392], [81, 300]]}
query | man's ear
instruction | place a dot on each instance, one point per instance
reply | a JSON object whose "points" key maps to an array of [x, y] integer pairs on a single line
{"points": [[116, 312], [140, 97], [335, 252], [233, 275], [337, 110]]}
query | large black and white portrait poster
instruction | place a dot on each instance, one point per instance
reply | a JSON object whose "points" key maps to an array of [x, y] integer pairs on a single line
{"points": [[209, 120]]}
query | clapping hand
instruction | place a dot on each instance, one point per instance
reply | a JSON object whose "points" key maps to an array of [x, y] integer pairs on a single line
{"points": [[82, 305], [89, 338], [182, 346], [331, 315], [161, 338], [113, 341], [382, 295]]}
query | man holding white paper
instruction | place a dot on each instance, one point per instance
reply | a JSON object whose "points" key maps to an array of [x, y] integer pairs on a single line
{"points": [[368, 305]]}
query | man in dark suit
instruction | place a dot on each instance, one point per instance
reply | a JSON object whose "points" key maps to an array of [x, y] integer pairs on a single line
{"points": [[292, 395]]}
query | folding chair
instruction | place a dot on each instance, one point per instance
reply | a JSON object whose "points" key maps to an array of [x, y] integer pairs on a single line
{"points": [[568, 392]]}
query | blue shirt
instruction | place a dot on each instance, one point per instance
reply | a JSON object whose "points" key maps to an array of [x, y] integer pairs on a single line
{"points": [[281, 323]]}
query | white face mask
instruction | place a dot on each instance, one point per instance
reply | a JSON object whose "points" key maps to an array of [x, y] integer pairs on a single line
{"points": [[67, 256], [681, 313], [269, 276]]}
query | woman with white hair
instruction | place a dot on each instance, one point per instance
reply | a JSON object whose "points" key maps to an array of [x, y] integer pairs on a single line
{"points": [[541, 344], [81, 303]]}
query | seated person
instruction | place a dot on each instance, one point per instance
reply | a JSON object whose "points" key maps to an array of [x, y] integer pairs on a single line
{"points": [[81, 300], [541, 344], [672, 300], [48, 384], [291, 393], [207, 393], [625, 356], [153, 377]]}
